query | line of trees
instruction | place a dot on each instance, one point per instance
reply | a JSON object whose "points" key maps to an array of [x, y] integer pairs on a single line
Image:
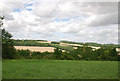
{"points": [[55, 42], [81, 53]]}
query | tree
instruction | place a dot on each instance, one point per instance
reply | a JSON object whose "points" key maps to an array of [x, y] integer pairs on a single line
{"points": [[114, 52], [57, 53], [24, 53], [55, 42], [1, 23], [8, 50]]}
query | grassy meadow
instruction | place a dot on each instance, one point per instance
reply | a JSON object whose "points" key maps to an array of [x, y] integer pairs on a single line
{"points": [[59, 69]]}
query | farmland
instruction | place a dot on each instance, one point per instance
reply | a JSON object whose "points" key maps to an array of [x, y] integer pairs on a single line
{"points": [[64, 50], [41, 44], [64, 45], [35, 48], [44, 60], [59, 69]]}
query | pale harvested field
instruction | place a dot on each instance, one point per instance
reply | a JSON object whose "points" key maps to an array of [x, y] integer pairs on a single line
{"points": [[64, 44], [118, 49], [35, 48], [94, 47], [44, 41]]}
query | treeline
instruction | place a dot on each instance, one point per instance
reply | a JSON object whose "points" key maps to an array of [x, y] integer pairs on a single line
{"points": [[55, 42], [81, 53], [71, 42], [30, 43]]}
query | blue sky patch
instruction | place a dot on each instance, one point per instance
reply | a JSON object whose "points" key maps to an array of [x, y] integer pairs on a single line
{"points": [[66, 19], [29, 9], [28, 5], [59, 34], [16, 10], [57, 20], [76, 17]]}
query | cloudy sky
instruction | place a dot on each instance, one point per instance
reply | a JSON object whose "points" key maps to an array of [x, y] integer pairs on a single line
{"points": [[60, 20]]}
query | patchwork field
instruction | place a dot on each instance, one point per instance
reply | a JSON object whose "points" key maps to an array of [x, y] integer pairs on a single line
{"points": [[35, 48], [44, 42], [66, 44], [59, 69]]}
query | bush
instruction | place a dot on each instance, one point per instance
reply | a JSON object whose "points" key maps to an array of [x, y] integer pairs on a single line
{"points": [[24, 53], [57, 53], [8, 52], [35, 53], [18, 56], [37, 57], [66, 56], [49, 56], [55, 43]]}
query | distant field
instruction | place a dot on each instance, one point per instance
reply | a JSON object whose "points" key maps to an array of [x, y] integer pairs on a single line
{"points": [[35, 48], [44, 41], [59, 69], [66, 44]]}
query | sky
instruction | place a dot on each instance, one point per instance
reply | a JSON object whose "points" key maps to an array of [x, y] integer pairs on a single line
{"points": [[62, 20]]}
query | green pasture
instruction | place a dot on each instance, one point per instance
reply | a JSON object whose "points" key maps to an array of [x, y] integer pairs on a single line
{"points": [[59, 69]]}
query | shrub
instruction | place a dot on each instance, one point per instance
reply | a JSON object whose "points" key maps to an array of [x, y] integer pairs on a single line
{"points": [[66, 56], [55, 43], [57, 53], [24, 53], [37, 57], [8, 52], [49, 56], [35, 53]]}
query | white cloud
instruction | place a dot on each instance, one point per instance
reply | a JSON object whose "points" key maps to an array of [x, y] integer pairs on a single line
{"points": [[57, 20]]}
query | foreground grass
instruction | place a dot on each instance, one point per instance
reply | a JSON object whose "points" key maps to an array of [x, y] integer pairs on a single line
{"points": [[59, 69]]}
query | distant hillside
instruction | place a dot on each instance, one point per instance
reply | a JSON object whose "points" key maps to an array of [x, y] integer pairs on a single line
{"points": [[92, 44], [49, 43]]}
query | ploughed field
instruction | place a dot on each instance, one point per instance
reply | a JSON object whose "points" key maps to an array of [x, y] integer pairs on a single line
{"points": [[59, 69]]}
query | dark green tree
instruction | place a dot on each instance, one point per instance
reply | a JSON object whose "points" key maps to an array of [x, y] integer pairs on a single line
{"points": [[8, 50], [58, 53], [114, 52], [55, 42]]}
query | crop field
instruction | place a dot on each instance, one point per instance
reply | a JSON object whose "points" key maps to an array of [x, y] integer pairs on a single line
{"points": [[66, 44], [59, 69], [35, 48], [44, 42]]}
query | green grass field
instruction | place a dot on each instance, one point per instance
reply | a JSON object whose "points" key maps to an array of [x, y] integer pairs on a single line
{"points": [[59, 69]]}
